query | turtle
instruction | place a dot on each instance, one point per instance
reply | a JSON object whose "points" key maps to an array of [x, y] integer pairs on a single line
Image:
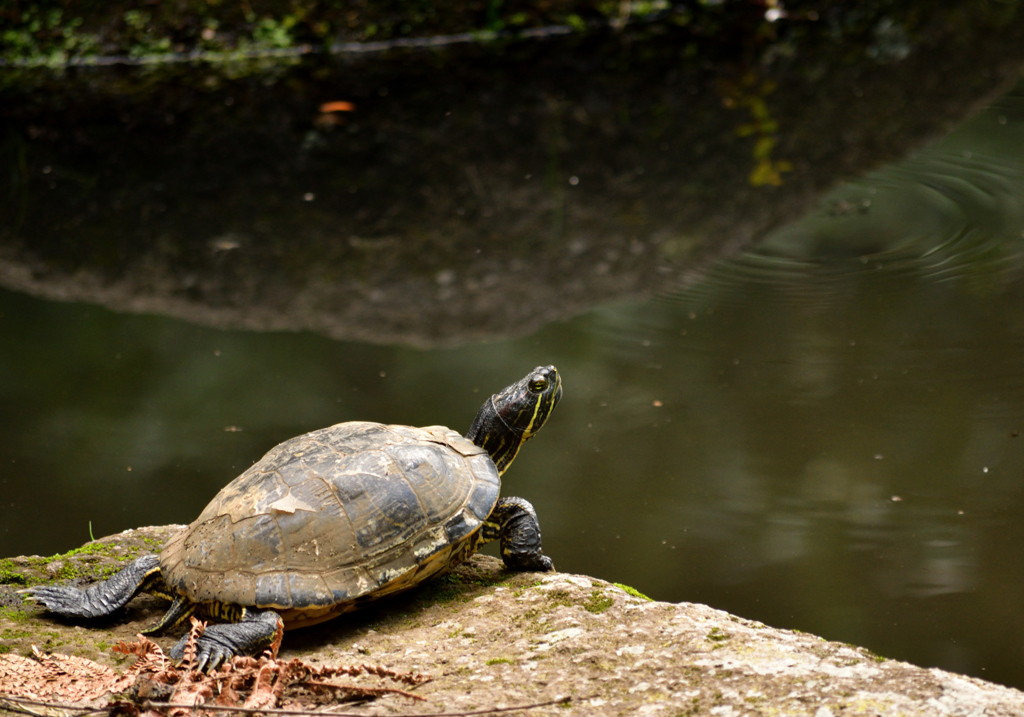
{"points": [[333, 519]]}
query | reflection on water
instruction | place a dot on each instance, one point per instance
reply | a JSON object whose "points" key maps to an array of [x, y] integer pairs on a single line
{"points": [[953, 210], [847, 425], [822, 434], [473, 193]]}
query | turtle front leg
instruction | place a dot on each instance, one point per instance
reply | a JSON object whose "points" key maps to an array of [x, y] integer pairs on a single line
{"points": [[102, 598], [514, 522], [219, 643]]}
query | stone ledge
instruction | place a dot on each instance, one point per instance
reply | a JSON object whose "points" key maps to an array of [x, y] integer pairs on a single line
{"points": [[491, 638]]}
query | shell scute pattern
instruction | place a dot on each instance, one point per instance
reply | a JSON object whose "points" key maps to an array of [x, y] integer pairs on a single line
{"points": [[482, 498], [311, 589], [247, 495], [402, 434], [430, 475], [350, 438], [242, 585], [202, 551], [308, 546], [272, 589], [455, 441], [459, 526], [336, 514], [349, 581], [429, 543], [314, 494]]}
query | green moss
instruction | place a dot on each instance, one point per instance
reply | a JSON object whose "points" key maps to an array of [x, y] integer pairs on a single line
{"points": [[96, 548], [14, 634], [632, 591], [561, 598], [9, 575], [577, 23], [45, 36], [47, 33], [271, 33], [717, 634], [598, 602], [77, 563], [527, 620], [499, 661], [13, 614]]}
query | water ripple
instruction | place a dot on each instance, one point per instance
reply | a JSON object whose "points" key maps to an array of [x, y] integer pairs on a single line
{"points": [[954, 213]]}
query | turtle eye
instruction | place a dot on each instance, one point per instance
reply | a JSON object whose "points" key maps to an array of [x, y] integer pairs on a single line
{"points": [[538, 385]]}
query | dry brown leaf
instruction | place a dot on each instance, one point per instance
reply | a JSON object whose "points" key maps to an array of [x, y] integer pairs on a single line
{"points": [[409, 678], [150, 658], [61, 678], [337, 106], [263, 693], [275, 646], [243, 681], [189, 658], [142, 647], [189, 692], [228, 696]]}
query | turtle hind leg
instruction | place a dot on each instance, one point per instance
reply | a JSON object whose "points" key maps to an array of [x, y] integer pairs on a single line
{"points": [[179, 611], [182, 609], [219, 643], [103, 598], [514, 522]]}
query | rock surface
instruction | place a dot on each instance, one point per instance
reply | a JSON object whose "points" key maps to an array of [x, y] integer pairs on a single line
{"points": [[493, 639]]}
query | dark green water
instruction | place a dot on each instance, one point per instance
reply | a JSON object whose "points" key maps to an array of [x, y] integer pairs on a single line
{"points": [[823, 433]]}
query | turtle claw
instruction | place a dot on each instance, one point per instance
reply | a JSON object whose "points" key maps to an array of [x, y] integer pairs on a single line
{"points": [[219, 643], [211, 650], [70, 602], [61, 600], [529, 563], [516, 526]]}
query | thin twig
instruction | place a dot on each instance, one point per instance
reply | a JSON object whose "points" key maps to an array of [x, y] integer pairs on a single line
{"points": [[42, 703], [147, 705], [367, 691], [316, 713]]}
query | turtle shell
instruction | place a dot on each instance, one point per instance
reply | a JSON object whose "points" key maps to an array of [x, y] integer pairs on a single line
{"points": [[344, 513]]}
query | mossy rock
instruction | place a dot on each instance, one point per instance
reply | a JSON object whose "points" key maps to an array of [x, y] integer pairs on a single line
{"points": [[23, 624], [490, 638]]}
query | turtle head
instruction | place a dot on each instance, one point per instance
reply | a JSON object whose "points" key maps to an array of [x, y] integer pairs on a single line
{"points": [[511, 417]]}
